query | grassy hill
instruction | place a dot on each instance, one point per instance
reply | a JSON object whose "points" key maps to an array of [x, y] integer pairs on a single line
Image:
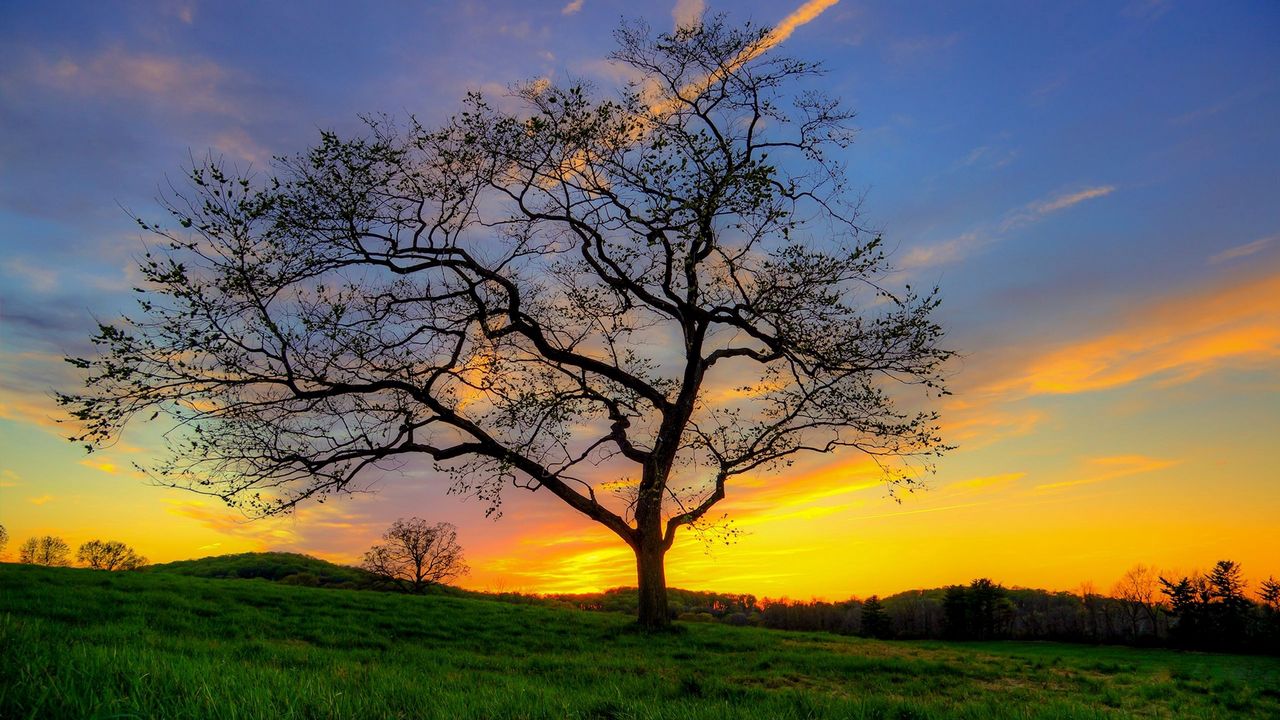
{"points": [[86, 644], [291, 568]]}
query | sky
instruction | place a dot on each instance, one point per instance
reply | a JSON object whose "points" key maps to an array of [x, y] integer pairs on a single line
{"points": [[1094, 186]]}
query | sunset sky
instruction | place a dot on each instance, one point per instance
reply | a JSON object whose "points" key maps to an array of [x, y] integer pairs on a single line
{"points": [[1094, 186]]}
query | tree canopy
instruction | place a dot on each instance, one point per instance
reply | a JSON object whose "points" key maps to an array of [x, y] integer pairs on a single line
{"points": [[48, 550], [625, 300], [415, 554], [109, 555]]}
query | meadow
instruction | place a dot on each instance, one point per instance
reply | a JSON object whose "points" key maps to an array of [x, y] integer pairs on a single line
{"points": [[89, 644]]}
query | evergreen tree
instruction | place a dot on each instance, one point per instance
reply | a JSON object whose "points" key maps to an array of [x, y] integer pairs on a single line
{"points": [[875, 621]]}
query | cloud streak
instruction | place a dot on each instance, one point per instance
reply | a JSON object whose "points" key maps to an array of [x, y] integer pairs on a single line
{"points": [[1101, 469], [1245, 250], [1176, 339], [957, 248]]}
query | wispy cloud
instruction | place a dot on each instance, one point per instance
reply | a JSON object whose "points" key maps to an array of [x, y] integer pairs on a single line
{"points": [[687, 12], [190, 84], [959, 247], [1177, 339], [945, 252], [41, 500], [988, 482], [1245, 250], [987, 156], [799, 17], [911, 49], [571, 8], [802, 15], [1042, 208], [38, 279], [1100, 469], [109, 468]]}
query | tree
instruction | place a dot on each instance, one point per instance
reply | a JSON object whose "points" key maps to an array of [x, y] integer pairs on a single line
{"points": [[48, 550], [955, 609], [4, 538], [109, 555], [1189, 598], [416, 554], [1228, 607], [1269, 592], [875, 621], [626, 302], [1136, 589]]}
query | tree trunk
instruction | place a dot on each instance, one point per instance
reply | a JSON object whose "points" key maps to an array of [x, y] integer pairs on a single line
{"points": [[651, 574]]}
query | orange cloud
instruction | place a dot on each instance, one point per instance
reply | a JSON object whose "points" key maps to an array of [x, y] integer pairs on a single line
{"points": [[799, 17], [989, 482], [1177, 340], [109, 468], [41, 500], [687, 12], [190, 85], [1110, 468]]}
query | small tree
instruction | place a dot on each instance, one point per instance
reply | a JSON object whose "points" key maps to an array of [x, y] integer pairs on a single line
{"points": [[4, 539], [875, 621], [47, 550], [109, 555], [1269, 592], [955, 609], [1137, 590], [1189, 598], [416, 554], [1228, 607]]}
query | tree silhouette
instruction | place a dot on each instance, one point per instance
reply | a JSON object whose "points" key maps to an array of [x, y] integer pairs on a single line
{"points": [[47, 550], [1137, 588], [1269, 592], [416, 554], [624, 302], [875, 621], [109, 555], [4, 538], [1229, 607]]}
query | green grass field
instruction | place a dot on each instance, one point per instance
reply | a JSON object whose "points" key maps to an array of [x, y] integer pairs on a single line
{"points": [[88, 644]]}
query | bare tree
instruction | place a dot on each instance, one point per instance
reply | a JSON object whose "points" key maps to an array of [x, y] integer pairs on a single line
{"points": [[47, 550], [4, 539], [416, 554], [627, 302], [1138, 589], [109, 555]]}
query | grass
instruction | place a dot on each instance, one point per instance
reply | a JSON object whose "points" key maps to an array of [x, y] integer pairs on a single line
{"points": [[86, 644]]}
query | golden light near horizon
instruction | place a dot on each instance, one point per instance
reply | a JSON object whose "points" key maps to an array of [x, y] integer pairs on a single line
{"points": [[1108, 258]]}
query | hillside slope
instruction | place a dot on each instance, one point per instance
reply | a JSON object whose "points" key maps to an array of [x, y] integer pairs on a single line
{"points": [[81, 643], [292, 568]]}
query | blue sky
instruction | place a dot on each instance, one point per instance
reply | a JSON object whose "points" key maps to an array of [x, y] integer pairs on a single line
{"points": [[1094, 186]]}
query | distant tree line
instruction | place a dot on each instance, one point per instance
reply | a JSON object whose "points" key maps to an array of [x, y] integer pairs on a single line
{"points": [[1202, 611], [1199, 611]]}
